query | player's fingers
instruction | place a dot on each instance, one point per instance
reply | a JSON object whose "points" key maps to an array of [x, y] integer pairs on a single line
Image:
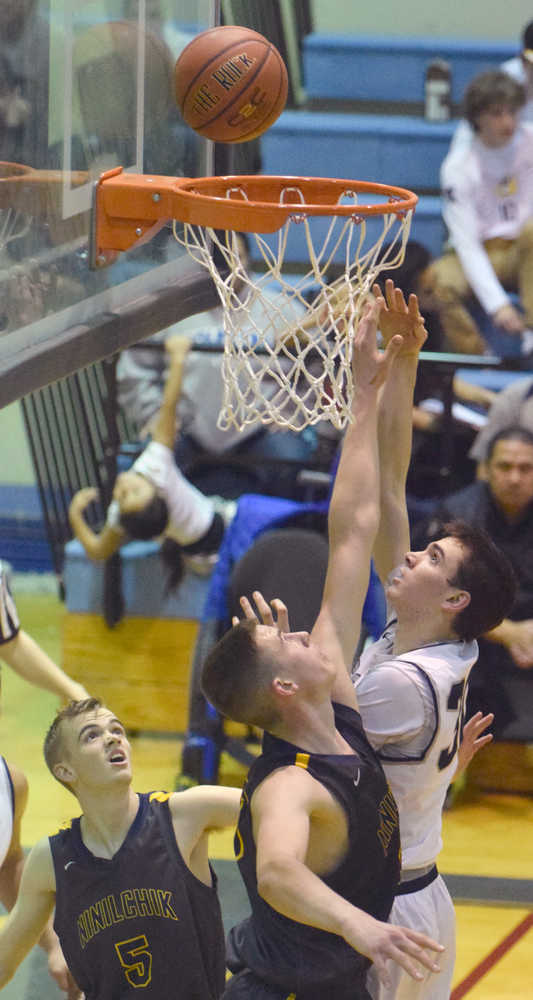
{"points": [[263, 607], [282, 615], [392, 348], [235, 620], [413, 307], [247, 608], [410, 956], [399, 301], [486, 720], [420, 940], [482, 741]]}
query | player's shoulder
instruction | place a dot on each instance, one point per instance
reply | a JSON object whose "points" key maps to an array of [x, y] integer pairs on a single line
{"points": [[39, 867]]}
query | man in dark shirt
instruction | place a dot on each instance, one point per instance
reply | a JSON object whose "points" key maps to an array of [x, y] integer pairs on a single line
{"points": [[502, 504]]}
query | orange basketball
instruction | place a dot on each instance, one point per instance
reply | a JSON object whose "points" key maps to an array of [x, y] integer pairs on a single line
{"points": [[231, 84]]}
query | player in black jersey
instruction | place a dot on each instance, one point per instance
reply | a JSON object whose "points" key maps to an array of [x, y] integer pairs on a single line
{"points": [[135, 896], [317, 840]]}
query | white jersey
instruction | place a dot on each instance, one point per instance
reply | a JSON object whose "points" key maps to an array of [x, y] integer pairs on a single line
{"points": [[7, 808], [9, 620], [190, 512], [487, 193], [412, 709]]}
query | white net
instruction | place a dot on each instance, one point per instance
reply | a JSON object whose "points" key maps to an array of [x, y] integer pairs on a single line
{"points": [[287, 356]]}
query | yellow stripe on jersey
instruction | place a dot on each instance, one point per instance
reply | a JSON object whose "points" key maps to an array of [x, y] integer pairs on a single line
{"points": [[302, 760], [159, 796]]}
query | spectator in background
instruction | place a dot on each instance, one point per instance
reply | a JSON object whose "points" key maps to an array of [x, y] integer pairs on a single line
{"points": [[432, 433], [520, 68], [24, 72], [502, 505], [512, 406], [488, 209], [153, 499]]}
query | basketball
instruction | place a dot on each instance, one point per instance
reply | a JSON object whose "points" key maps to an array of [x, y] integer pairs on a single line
{"points": [[231, 84]]}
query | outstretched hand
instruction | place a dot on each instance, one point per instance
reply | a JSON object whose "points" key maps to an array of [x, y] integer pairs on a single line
{"points": [[473, 739], [370, 366], [383, 942], [273, 613], [399, 317]]}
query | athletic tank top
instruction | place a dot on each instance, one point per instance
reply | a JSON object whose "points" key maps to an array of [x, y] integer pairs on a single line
{"points": [[7, 809], [293, 956], [419, 783], [140, 924]]}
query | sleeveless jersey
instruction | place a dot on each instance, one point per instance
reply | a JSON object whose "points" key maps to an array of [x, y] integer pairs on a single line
{"points": [[437, 673], [9, 621], [7, 809], [293, 956], [140, 924]]}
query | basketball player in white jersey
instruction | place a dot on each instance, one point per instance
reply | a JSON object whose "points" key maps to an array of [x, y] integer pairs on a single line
{"points": [[411, 684]]}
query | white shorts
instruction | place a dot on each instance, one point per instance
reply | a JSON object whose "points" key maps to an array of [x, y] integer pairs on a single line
{"points": [[430, 910]]}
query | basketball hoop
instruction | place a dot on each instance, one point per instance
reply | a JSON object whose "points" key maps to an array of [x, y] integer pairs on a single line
{"points": [[287, 359]]}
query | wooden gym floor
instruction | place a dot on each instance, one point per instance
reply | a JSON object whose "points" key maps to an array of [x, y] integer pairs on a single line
{"points": [[487, 857]]}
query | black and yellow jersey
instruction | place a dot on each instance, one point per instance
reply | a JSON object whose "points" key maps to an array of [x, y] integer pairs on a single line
{"points": [[140, 924], [295, 957]]}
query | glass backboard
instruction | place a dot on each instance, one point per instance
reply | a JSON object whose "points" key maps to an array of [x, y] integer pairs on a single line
{"points": [[86, 85]]}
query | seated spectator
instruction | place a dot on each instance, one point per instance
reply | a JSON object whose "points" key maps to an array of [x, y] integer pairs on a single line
{"points": [[153, 498], [488, 209], [502, 505], [433, 434], [520, 68], [512, 406]]}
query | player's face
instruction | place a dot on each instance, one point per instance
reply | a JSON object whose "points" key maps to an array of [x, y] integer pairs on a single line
{"points": [[97, 749], [295, 652], [510, 476], [422, 582], [132, 492], [497, 125]]}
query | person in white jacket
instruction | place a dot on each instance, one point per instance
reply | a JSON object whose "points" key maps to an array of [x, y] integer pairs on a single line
{"points": [[520, 68], [488, 210]]}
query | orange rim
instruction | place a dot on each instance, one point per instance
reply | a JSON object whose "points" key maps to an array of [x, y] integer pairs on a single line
{"points": [[128, 207]]}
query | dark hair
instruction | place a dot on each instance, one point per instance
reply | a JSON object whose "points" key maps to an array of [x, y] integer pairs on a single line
{"points": [[52, 742], [147, 523], [490, 88], [416, 259], [236, 678], [488, 576], [171, 554], [527, 36], [512, 433]]}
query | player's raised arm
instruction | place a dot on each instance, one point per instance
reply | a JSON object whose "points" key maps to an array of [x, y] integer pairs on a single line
{"points": [[395, 426], [354, 508]]}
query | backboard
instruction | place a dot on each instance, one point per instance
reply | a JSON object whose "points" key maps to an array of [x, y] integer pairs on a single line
{"points": [[86, 85]]}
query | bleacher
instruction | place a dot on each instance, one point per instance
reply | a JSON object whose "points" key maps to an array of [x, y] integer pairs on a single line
{"points": [[363, 117]]}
